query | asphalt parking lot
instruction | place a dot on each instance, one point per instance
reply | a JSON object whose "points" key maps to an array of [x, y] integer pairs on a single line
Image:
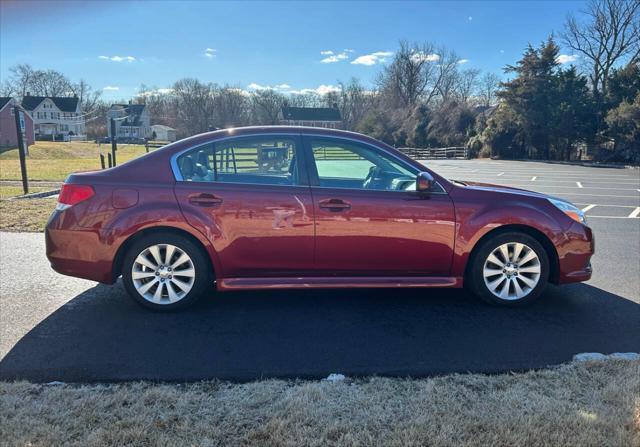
{"points": [[58, 328]]}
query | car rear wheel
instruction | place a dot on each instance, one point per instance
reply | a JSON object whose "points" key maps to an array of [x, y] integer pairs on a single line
{"points": [[165, 272], [510, 269]]}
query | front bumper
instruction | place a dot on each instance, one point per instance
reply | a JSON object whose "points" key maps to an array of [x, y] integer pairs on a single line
{"points": [[574, 254]]}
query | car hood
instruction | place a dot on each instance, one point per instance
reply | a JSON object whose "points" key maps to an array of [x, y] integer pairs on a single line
{"points": [[499, 188]]}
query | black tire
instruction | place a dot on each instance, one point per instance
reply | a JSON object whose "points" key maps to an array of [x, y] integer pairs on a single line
{"points": [[476, 268], [202, 280]]}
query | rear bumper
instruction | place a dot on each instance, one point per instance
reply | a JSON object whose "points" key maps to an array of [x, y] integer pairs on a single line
{"points": [[79, 252], [575, 254]]}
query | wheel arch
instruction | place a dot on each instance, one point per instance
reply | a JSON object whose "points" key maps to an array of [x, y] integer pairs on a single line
{"points": [[132, 239], [543, 239]]}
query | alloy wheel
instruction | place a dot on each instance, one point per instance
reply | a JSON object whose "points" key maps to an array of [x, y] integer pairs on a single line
{"points": [[512, 271], [163, 274]]}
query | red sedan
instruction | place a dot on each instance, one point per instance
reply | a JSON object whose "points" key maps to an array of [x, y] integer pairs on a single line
{"points": [[294, 207]]}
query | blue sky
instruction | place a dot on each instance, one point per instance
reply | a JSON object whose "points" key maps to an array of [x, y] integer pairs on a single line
{"points": [[118, 45]]}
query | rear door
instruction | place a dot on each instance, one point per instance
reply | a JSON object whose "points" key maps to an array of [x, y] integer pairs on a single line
{"points": [[370, 220], [250, 197]]}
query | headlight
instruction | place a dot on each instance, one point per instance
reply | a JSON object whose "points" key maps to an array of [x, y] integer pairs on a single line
{"points": [[570, 210]]}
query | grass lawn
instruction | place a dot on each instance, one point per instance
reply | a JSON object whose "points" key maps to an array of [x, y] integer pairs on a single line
{"points": [[579, 404], [7, 191], [55, 161], [28, 215]]}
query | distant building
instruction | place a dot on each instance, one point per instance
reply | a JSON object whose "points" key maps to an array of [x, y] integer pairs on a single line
{"points": [[8, 134], [132, 121], [163, 133], [55, 117], [328, 117]]}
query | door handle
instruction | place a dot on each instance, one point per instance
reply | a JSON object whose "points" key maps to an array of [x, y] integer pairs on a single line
{"points": [[334, 205], [204, 200]]}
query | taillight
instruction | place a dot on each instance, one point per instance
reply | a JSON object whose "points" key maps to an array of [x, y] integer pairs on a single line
{"points": [[73, 194]]}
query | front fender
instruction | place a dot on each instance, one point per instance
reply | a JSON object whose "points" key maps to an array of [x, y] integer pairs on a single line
{"points": [[475, 219]]}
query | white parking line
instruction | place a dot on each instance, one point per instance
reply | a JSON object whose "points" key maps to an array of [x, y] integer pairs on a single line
{"points": [[579, 185], [599, 204], [635, 213], [540, 186], [608, 217], [533, 179], [587, 208]]}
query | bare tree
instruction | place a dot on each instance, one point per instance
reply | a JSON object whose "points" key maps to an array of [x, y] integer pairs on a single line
{"points": [[194, 105], [20, 79], [231, 107], [488, 88], [352, 101], [50, 83], [267, 105], [88, 97], [417, 72], [467, 84], [610, 33]]}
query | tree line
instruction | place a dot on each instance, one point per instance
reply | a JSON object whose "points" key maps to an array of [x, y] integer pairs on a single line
{"points": [[424, 97]]}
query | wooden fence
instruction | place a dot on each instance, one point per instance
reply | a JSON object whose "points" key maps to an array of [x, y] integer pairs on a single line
{"points": [[422, 153]]}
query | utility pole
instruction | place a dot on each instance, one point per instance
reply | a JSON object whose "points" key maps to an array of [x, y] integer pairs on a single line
{"points": [[17, 112], [114, 144]]}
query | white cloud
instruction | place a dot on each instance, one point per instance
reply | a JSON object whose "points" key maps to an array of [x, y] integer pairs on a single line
{"points": [[255, 86], [422, 57], [371, 59], [158, 91], [110, 88], [463, 61], [566, 58], [348, 50], [210, 53], [320, 90], [332, 57], [117, 58]]}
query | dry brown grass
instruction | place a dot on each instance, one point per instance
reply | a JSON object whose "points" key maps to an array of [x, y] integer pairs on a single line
{"points": [[581, 404], [55, 161], [28, 215]]}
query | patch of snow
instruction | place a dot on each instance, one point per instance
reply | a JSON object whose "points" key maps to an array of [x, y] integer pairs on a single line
{"points": [[596, 356], [625, 356], [333, 377]]}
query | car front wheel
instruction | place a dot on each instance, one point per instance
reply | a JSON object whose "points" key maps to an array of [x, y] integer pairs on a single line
{"points": [[165, 272], [510, 269]]}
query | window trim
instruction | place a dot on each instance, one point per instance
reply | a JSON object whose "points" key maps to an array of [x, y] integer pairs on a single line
{"points": [[303, 177], [303, 140], [314, 178]]}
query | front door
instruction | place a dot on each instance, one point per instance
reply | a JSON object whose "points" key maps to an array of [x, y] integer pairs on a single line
{"points": [[250, 197], [370, 220]]}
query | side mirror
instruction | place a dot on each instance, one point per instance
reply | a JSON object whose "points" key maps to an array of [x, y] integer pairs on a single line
{"points": [[424, 182]]}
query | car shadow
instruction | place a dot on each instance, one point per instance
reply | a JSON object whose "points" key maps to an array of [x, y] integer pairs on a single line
{"points": [[101, 335]]}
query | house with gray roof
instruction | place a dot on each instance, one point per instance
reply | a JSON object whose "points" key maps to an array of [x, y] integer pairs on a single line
{"points": [[327, 117], [55, 117], [132, 121]]}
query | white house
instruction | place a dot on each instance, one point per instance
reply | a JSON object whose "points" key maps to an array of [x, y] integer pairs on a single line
{"points": [[55, 116], [163, 133], [132, 121]]}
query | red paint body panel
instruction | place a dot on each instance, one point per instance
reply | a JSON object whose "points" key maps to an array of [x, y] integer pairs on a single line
{"points": [[262, 236]]}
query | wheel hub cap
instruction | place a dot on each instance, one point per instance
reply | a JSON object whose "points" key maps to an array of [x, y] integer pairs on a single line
{"points": [[512, 271], [163, 274]]}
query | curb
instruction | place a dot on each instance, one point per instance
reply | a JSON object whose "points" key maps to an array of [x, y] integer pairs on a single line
{"points": [[37, 195]]}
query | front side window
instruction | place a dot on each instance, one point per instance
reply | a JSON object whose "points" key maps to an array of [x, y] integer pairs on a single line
{"points": [[345, 164], [261, 160]]}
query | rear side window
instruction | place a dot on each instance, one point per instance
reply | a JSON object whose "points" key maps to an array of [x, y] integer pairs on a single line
{"points": [[258, 160]]}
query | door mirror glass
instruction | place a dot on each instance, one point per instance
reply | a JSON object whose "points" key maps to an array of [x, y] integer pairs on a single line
{"points": [[424, 182]]}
